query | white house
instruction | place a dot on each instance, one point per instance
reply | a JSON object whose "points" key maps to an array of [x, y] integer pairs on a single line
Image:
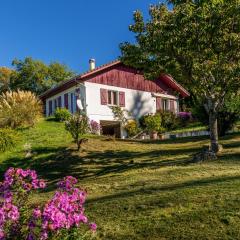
{"points": [[110, 85]]}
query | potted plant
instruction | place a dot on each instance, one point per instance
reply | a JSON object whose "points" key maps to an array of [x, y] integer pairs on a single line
{"points": [[153, 125]]}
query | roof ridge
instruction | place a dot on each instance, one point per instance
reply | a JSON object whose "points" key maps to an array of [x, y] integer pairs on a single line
{"points": [[99, 67], [79, 76]]}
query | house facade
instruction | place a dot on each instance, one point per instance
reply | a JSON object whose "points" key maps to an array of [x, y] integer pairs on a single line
{"points": [[114, 84]]}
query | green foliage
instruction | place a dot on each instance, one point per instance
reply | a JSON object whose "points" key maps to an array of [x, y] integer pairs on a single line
{"points": [[7, 139], [132, 128], [198, 43], [59, 72], [153, 123], [5, 75], [19, 109], [227, 116], [62, 114], [170, 120], [77, 126], [36, 76]]}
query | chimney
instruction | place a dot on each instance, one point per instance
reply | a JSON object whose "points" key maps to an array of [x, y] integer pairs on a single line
{"points": [[92, 64]]}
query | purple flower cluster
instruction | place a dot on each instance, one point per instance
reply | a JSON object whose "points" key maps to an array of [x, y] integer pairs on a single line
{"points": [[95, 127], [185, 116], [63, 211], [25, 179], [15, 180]]}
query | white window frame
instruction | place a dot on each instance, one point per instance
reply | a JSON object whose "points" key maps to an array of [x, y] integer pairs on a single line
{"points": [[165, 104], [112, 97]]}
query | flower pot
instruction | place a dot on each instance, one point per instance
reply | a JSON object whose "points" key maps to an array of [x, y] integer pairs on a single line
{"points": [[161, 136], [154, 135]]}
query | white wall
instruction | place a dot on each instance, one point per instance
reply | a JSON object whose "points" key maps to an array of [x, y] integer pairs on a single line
{"points": [[70, 91], [138, 103]]}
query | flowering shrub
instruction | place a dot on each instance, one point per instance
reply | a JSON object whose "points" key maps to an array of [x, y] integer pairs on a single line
{"points": [[184, 117], [95, 127], [56, 219]]}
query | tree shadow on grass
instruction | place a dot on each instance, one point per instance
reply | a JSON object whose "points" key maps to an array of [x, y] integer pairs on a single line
{"points": [[53, 163], [173, 187]]}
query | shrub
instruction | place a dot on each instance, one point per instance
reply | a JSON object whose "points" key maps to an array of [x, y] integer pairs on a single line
{"points": [[62, 114], [58, 218], [153, 123], [78, 125], [170, 120], [19, 109], [132, 128], [7, 139], [185, 118], [120, 114], [95, 127]]}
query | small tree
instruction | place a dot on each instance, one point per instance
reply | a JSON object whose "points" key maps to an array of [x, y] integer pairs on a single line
{"points": [[78, 125]]}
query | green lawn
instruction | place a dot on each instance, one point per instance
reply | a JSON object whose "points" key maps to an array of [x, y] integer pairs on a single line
{"points": [[195, 126], [141, 189]]}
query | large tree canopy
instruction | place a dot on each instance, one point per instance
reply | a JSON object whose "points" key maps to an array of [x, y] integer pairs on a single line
{"points": [[198, 42], [36, 76]]}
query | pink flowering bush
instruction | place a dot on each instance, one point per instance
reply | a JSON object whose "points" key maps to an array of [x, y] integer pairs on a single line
{"points": [[61, 216], [95, 127], [184, 117]]}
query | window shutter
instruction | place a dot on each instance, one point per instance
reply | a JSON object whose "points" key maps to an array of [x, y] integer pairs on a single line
{"points": [[72, 100], [50, 108], [122, 99], [77, 94], [104, 96], [55, 103], [59, 102], [66, 100], [158, 103], [172, 106]]}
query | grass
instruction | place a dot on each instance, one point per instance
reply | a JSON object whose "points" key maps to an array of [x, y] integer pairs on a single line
{"points": [[195, 126], [141, 189]]}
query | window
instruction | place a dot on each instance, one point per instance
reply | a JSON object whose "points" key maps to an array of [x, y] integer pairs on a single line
{"points": [[165, 104], [112, 97]]}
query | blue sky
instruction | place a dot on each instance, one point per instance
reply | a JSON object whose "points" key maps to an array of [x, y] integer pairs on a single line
{"points": [[68, 31]]}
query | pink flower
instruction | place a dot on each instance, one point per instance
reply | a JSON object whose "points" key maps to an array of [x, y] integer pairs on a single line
{"points": [[33, 175], [93, 226], [64, 210], [42, 184], [37, 213], [1, 234]]}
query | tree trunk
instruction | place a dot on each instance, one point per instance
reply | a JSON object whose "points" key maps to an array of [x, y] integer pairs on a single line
{"points": [[79, 145], [213, 125]]}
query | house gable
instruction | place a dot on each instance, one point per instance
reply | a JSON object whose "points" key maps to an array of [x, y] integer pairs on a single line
{"points": [[126, 77]]}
